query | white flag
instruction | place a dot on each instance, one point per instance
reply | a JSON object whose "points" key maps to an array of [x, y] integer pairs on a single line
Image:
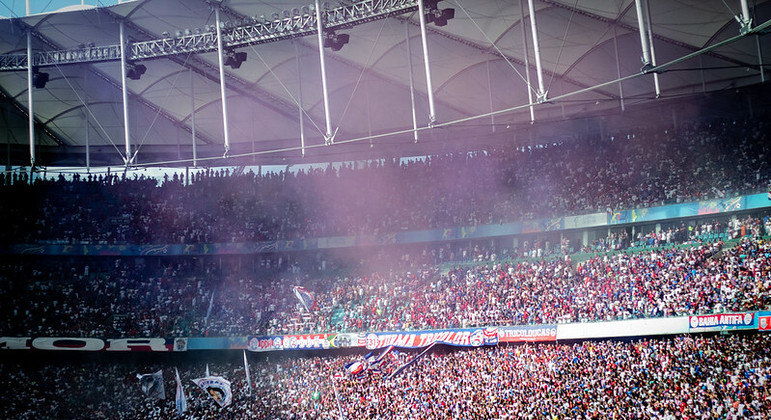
{"points": [[217, 387], [152, 384], [181, 400]]}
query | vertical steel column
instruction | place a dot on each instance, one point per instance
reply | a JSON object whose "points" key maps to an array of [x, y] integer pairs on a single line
{"points": [[746, 20], [760, 59], [618, 70], [127, 159], [646, 58], [526, 54], [300, 99], [30, 105], [429, 86], [192, 118], [223, 93], [88, 146], [86, 119], [412, 82], [320, 29], [31, 112], [656, 85], [490, 94], [541, 94]]}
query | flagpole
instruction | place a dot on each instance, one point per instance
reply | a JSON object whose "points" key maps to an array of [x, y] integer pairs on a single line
{"points": [[404, 366], [180, 401], [337, 398], [246, 372]]}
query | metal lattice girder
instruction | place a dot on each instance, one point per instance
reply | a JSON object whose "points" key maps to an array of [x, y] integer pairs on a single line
{"points": [[13, 61], [252, 33]]}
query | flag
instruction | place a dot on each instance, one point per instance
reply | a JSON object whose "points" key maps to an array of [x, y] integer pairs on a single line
{"points": [[305, 297], [354, 368], [208, 311], [385, 353], [217, 387], [411, 361], [246, 371], [376, 363], [152, 384], [180, 399]]}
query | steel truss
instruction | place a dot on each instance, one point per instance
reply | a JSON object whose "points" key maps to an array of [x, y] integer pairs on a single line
{"points": [[248, 33]]}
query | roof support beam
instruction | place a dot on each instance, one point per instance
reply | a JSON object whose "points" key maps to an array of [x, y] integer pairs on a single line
{"points": [[412, 82], [642, 29], [541, 94], [210, 72], [617, 22], [328, 139], [526, 54], [426, 62], [223, 90], [300, 109], [745, 20], [370, 71], [192, 117], [512, 59], [656, 85], [30, 107], [124, 93]]}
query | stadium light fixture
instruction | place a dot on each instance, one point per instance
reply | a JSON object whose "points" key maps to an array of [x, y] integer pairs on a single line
{"points": [[134, 71], [39, 79], [234, 59], [335, 41], [438, 17]]}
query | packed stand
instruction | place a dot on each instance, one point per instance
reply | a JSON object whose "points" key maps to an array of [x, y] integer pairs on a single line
{"points": [[691, 377], [496, 185], [125, 298]]}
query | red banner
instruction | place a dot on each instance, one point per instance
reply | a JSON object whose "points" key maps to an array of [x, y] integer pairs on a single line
{"points": [[527, 334], [466, 338], [764, 323]]}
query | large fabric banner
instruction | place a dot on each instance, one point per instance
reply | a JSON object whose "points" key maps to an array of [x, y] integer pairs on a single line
{"points": [[722, 322], [527, 334], [86, 344], [305, 341], [470, 337]]}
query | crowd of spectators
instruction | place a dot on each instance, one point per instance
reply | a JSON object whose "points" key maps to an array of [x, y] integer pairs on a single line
{"points": [[495, 185], [132, 297], [684, 377]]}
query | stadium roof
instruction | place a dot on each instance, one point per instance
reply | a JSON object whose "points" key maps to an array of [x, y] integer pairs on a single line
{"points": [[477, 66]]}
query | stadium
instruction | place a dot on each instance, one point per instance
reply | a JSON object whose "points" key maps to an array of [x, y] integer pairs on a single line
{"points": [[387, 209]]}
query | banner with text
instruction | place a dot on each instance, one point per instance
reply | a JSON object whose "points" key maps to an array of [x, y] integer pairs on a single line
{"points": [[470, 337], [88, 344], [722, 322], [305, 342], [527, 334]]}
